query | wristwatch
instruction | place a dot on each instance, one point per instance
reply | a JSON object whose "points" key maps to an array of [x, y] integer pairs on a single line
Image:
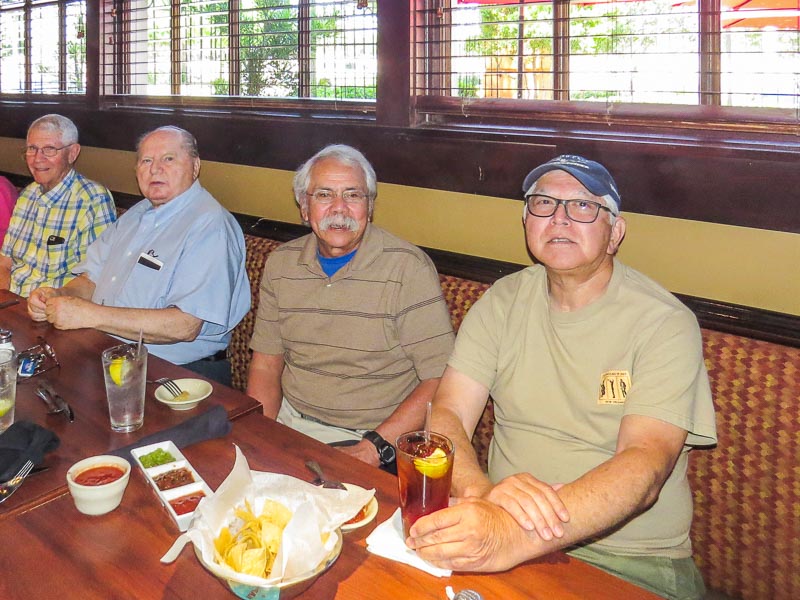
{"points": [[386, 452]]}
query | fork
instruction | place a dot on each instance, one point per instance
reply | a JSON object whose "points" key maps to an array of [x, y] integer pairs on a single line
{"points": [[10, 486], [169, 385]]}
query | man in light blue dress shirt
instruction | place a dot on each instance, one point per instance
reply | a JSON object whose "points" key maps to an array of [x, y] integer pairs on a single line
{"points": [[173, 266]]}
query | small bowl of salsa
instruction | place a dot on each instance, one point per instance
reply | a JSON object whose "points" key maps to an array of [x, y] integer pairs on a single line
{"points": [[98, 483]]}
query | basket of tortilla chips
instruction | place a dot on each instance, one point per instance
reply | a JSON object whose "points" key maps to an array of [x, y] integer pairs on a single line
{"points": [[269, 535]]}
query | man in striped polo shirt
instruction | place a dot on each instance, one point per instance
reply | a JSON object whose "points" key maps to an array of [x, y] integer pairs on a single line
{"points": [[57, 216], [352, 332]]}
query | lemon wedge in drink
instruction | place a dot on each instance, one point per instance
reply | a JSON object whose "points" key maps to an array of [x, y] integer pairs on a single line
{"points": [[433, 466], [117, 369], [5, 406]]}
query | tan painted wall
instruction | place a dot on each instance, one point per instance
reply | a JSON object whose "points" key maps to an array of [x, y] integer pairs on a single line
{"points": [[744, 266]]}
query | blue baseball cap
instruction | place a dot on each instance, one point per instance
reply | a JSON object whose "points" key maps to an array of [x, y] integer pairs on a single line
{"points": [[592, 175]]}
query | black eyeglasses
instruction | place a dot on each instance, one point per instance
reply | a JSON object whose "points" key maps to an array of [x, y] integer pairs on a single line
{"points": [[48, 151], [580, 211]]}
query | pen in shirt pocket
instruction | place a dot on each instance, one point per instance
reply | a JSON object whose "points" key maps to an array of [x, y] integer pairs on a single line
{"points": [[54, 240]]}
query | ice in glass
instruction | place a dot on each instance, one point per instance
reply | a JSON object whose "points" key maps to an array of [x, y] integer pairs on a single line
{"points": [[8, 387], [424, 473], [125, 372]]}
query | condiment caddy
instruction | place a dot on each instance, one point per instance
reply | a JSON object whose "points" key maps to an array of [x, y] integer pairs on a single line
{"points": [[177, 484]]}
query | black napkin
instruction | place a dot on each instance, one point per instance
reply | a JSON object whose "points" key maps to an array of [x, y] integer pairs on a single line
{"points": [[21, 442], [211, 424]]}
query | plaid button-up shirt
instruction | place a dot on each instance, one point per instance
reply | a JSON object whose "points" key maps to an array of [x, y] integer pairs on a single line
{"points": [[49, 233]]}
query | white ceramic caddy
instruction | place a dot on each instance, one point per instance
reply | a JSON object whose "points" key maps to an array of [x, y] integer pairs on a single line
{"points": [[167, 496]]}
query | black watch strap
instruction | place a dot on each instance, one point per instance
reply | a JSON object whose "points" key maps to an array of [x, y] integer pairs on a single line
{"points": [[386, 452]]}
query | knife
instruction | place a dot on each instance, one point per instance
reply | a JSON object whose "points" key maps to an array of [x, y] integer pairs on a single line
{"points": [[8, 303], [64, 407]]}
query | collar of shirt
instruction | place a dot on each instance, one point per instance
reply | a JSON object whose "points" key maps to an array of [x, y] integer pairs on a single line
{"points": [[174, 206], [59, 191]]}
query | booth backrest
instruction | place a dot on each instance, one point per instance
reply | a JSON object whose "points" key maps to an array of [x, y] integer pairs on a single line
{"points": [[746, 528]]}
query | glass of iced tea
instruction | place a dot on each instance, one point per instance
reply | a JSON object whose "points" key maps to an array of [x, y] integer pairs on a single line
{"points": [[424, 473]]}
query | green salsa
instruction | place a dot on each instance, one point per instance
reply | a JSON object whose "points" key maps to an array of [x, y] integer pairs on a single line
{"points": [[155, 458]]}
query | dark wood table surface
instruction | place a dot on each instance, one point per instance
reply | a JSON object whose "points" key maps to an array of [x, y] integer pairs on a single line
{"points": [[58, 552], [79, 380]]}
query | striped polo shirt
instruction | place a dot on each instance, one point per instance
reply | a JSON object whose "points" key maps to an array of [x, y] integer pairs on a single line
{"points": [[357, 343]]}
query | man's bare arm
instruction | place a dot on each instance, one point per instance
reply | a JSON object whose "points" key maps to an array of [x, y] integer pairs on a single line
{"points": [[5, 272], [599, 501], [264, 381]]}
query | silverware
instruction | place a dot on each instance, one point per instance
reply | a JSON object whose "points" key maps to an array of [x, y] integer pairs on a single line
{"points": [[169, 385], [55, 403], [467, 595], [8, 303], [314, 467], [10, 486]]}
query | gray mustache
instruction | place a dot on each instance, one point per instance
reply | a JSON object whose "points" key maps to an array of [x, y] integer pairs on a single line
{"points": [[338, 221]]}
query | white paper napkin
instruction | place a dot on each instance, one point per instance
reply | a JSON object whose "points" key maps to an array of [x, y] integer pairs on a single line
{"points": [[387, 541]]}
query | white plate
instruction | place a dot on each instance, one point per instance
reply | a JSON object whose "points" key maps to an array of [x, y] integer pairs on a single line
{"points": [[198, 390], [372, 510]]}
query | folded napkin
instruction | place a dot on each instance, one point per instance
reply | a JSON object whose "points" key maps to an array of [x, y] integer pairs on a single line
{"points": [[21, 442], [211, 424], [387, 541]]}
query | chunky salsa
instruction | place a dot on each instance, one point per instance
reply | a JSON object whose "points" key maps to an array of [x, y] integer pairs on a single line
{"points": [[155, 458], [186, 504], [173, 479], [99, 475], [359, 516]]}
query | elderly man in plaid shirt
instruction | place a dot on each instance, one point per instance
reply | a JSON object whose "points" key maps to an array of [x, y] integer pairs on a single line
{"points": [[57, 216]]}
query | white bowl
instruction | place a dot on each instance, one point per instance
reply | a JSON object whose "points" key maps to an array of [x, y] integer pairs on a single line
{"points": [[198, 390], [98, 499], [372, 510]]}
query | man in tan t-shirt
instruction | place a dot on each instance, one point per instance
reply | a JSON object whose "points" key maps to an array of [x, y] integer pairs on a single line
{"points": [[352, 332], [600, 390]]}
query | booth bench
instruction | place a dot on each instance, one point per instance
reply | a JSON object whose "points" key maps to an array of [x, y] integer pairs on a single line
{"points": [[746, 529]]}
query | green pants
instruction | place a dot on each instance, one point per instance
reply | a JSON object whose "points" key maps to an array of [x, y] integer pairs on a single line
{"points": [[676, 579]]}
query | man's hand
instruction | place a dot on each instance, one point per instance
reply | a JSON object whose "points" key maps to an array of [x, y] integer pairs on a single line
{"points": [[68, 312], [471, 535], [534, 504], [364, 451], [37, 302]]}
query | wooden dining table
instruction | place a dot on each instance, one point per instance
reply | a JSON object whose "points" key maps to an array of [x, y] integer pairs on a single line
{"points": [[79, 380], [49, 549]]}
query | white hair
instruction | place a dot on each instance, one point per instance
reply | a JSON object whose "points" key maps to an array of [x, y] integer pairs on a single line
{"points": [[59, 123], [346, 155]]}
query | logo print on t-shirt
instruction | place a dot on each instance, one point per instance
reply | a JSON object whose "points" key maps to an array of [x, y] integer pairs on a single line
{"points": [[614, 387]]}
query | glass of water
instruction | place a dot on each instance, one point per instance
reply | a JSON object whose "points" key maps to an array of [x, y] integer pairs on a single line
{"points": [[8, 387], [125, 372]]}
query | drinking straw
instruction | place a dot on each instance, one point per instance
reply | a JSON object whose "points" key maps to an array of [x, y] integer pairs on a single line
{"points": [[139, 344], [428, 411]]}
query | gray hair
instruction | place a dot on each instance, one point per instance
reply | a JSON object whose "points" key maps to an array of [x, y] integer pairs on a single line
{"points": [[58, 123], [346, 155], [188, 141]]}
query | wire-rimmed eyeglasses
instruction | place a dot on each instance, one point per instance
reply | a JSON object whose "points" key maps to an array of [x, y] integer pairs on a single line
{"points": [[580, 211], [37, 359], [48, 151], [328, 196]]}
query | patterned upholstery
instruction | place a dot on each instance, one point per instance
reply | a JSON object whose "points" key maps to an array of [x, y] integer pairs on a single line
{"points": [[239, 352], [746, 529]]}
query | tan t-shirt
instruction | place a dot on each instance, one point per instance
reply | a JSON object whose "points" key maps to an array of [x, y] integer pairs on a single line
{"points": [[357, 343], [562, 382]]}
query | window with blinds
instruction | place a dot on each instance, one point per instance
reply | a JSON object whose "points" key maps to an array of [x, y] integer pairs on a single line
{"points": [[276, 49], [42, 47], [728, 53]]}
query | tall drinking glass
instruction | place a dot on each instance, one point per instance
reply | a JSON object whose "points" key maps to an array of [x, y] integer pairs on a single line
{"points": [[8, 387], [125, 372], [424, 473]]}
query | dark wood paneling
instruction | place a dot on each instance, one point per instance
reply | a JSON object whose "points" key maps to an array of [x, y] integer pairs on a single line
{"points": [[692, 175]]}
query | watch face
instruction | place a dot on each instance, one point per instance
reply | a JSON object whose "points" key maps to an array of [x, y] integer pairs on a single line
{"points": [[387, 453]]}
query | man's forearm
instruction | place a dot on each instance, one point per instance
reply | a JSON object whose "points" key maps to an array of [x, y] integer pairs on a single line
{"points": [[264, 382], [158, 326]]}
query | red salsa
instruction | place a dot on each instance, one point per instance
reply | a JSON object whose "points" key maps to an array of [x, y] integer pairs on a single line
{"points": [[173, 479], [99, 475], [359, 516], [186, 504]]}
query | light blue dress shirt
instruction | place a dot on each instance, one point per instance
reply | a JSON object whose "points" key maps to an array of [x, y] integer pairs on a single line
{"points": [[188, 253]]}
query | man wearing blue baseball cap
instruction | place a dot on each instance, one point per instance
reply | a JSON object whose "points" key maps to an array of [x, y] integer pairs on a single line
{"points": [[599, 390]]}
